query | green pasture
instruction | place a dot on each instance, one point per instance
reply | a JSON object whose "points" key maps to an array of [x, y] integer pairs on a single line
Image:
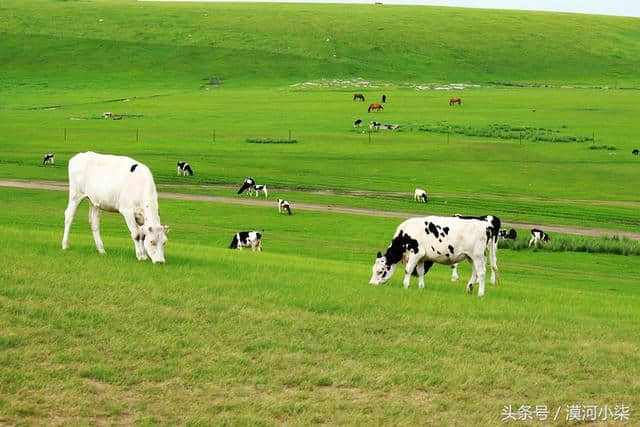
{"points": [[294, 334]]}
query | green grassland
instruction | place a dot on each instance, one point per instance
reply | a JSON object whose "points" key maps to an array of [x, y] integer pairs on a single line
{"points": [[294, 334]]}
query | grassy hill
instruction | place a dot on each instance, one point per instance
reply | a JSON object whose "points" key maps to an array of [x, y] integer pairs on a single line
{"points": [[70, 44]]}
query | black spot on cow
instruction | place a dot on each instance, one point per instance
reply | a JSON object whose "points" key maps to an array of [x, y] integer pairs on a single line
{"points": [[399, 245], [440, 240], [244, 236], [446, 231], [433, 229], [450, 248], [134, 167], [481, 218], [433, 249], [427, 267], [439, 253]]}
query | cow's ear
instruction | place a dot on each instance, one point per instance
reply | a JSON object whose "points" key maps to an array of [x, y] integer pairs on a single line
{"points": [[379, 255]]}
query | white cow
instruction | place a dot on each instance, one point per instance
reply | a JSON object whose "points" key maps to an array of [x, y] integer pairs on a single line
{"points": [[117, 184], [420, 195], [446, 240]]}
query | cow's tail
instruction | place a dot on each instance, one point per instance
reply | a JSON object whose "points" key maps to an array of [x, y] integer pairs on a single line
{"points": [[234, 242]]}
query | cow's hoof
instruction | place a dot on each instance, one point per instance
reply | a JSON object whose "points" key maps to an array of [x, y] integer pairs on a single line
{"points": [[469, 288]]}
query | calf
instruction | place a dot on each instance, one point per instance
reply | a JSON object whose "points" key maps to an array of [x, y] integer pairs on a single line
{"points": [[49, 159], [446, 240], [117, 184], [248, 184], [511, 234], [537, 236], [357, 123], [184, 169], [283, 205], [420, 195], [260, 187], [247, 239]]}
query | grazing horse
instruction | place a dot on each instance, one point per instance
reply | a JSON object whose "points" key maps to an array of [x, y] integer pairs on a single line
{"points": [[453, 101], [375, 107], [358, 96]]}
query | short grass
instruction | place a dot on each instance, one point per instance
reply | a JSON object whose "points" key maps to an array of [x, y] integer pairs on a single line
{"points": [[294, 334]]}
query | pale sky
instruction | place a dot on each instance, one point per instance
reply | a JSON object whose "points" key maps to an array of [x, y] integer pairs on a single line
{"points": [[601, 7]]}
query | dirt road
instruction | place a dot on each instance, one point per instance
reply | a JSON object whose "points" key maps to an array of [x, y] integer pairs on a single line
{"points": [[60, 186]]}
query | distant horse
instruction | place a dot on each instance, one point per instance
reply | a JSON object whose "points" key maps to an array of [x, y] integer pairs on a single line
{"points": [[455, 101], [375, 107], [358, 96]]}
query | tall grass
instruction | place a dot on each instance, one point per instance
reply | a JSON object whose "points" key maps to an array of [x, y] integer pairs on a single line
{"points": [[505, 131], [566, 243]]}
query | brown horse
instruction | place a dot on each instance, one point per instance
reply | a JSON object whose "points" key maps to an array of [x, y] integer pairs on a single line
{"points": [[358, 96], [375, 107], [455, 101]]}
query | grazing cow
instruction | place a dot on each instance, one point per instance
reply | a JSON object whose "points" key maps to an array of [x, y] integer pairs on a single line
{"points": [[511, 234], [453, 101], [384, 98], [117, 184], [375, 107], [388, 127], [374, 125], [635, 152], [358, 96], [446, 240], [420, 195], [49, 159], [248, 184], [283, 205], [107, 115], [247, 239], [258, 188], [357, 123], [537, 236], [184, 169]]}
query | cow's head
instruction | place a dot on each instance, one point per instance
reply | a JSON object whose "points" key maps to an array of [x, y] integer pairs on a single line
{"points": [[154, 240], [381, 271]]}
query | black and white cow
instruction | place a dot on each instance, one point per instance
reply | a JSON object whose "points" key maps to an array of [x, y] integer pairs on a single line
{"points": [[184, 169], [537, 236], [247, 239], [283, 205], [257, 188], [374, 125], [357, 123], [635, 152], [49, 159], [511, 234], [419, 242], [248, 184], [420, 195]]}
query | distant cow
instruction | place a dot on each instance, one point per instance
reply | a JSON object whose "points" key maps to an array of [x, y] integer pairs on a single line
{"points": [[453, 101], [184, 169], [107, 115], [420, 195], [49, 159], [258, 188], [358, 96], [419, 242], [247, 185], [511, 234], [283, 205], [537, 236], [357, 123], [384, 98], [635, 152], [117, 184], [388, 127], [374, 125], [375, 107], [247, 239]]}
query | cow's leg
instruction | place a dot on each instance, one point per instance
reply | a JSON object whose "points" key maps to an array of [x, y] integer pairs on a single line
{"points": [[422, 268], [493, 261], [69, 213], [94, 223], [454, 272], [136, 234], [472, 279], [531, 240], [411, 265], [479, 263]]}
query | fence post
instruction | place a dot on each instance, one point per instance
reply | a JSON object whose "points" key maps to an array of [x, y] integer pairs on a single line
{"points": [[369, 135], [213, 135], [289, 134]]}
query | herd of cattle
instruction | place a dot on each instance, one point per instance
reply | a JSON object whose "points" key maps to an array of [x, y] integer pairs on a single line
{"points": [[122, 184]]}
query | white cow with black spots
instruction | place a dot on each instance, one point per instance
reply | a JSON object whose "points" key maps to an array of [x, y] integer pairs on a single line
{"points": [[538, 236], [247, 239], [117, 184], [419, 242], [420, 195]]}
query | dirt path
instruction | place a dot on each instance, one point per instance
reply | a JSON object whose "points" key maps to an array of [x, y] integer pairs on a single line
{"points": [[60, 186]]}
